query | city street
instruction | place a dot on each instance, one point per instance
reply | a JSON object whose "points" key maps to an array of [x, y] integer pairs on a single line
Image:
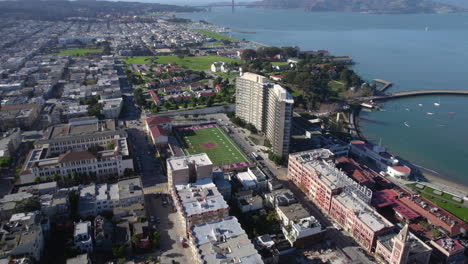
{"points": [[169, 226]]}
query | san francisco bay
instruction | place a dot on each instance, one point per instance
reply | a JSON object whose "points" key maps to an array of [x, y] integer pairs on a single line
{"points": [[415, 52]]}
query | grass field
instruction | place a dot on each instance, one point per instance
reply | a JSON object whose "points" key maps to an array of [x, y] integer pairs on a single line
{"points": [[212, 141], [78, 52], [215, 35], [213, 44], [444, 201], [193, 63]]}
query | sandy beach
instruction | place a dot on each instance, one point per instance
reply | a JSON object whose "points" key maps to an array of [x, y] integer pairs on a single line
{"points": [[440, 182]]}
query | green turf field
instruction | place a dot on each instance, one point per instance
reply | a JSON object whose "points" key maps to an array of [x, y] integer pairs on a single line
{"points": [[200, 63], [78, 52], [212, 141]]}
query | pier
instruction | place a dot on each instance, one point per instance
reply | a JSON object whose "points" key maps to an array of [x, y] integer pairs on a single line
{"points": [[396, 95], [386, 84]]}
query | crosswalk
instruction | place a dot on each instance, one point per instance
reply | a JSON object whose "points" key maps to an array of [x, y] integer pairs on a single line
{"points": [[159, 188]]}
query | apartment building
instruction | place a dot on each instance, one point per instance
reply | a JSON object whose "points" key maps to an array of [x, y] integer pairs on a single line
{"points": [[337, 195], [359, 219], [315, 173], [97, 198], [222, 241], [22, 116], [82, 237], [199, 202], [268, 107], [111, 107], [189, 169], [23, 236]]}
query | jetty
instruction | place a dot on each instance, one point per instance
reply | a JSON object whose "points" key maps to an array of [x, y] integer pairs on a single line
{"points": [[385, 84], [396, 95]]}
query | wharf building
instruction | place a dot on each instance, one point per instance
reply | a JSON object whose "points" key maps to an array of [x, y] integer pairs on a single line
{"points": [[268, 107], [382, 159], [338, 196], [402, 248]]}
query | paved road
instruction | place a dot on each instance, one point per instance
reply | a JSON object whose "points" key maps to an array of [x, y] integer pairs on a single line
{"points": [[170, 230]]}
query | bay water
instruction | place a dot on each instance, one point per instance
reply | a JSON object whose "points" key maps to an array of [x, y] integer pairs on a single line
{"points": [[415, 52]]}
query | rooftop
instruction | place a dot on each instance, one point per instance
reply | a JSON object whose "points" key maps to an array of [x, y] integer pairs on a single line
{"points": [[364, 212], [224, 241], [180, 163], [450, 246], [200, 197]]}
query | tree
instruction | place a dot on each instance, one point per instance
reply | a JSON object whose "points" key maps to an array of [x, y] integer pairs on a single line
{"points": [[156, 238], [110, 146], [267, 143], [118, 251], [5, 161], [28, 205], [249, 54], [128, 172], [209, 102], [278, 160], [251, 128], [56, 177]]}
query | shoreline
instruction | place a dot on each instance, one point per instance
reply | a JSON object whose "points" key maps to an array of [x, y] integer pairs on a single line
{"points": [[430, 176], [426, 175]]}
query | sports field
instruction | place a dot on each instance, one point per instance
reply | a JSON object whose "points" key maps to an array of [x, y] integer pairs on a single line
{"points": [[211, 140]]}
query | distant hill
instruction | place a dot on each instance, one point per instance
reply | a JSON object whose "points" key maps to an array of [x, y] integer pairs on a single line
{"points": [[462, 3], [370, 6]]}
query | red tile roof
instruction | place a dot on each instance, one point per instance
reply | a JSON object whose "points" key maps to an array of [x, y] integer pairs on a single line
{"points": [[76, 156], [156, 120], [157, 131]]}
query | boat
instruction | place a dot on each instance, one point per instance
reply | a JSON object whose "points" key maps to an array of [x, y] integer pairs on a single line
{"points": [[429, 113], [420, 104], [452, 113], [406, 124], [437, 104], [407, 109]]}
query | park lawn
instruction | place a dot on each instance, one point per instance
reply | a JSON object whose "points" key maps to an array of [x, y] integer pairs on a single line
{"points": [[157, 14], [78, 52], [194, 63], [214, 35], [222, 150], [453, 207], [456, 209], [226, 76], [336, 86], [213, 44], [279, 63]]}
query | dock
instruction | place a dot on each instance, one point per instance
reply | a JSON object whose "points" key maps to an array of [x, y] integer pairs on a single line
{"points": [[386, 84]]}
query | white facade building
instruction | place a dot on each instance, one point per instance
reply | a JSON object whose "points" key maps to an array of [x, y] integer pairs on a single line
{"points": [[268, 107], [82, 236]]}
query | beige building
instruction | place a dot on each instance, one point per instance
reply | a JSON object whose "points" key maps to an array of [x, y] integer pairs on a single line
{"points": [[402, 248], [80, 134], [268, 107], [187, 169]]}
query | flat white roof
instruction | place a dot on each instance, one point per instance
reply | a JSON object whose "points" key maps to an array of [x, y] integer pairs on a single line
{"points": [[180, 163]]}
